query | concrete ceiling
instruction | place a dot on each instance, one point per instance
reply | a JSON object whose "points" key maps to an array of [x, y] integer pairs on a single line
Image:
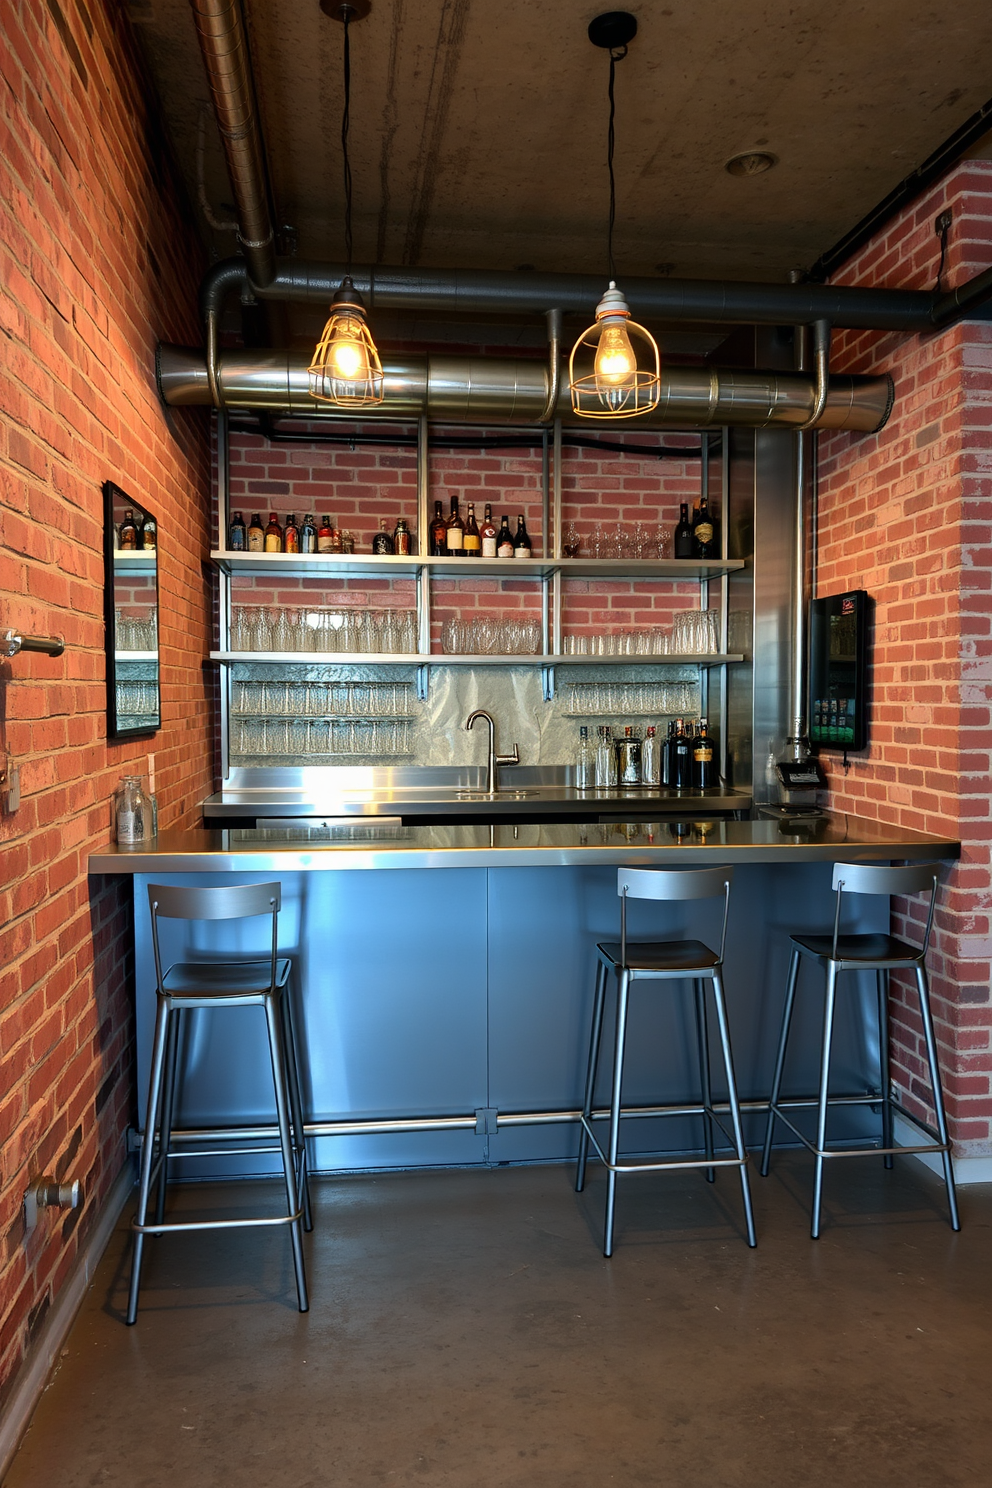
{"points": [[478, 126]]}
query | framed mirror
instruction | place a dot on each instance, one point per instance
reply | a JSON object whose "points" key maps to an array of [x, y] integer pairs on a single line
{"points": [[131, 613]]}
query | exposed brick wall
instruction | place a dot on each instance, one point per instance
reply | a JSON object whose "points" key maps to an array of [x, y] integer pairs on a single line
{"points": [[97, 263], [906, 515]]}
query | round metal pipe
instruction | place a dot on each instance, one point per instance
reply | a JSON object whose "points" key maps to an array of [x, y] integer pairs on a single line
{"points": [[496, 390], [224, 44], [709, 300]]}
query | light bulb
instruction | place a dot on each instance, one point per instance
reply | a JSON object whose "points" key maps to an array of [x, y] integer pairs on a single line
{"points": [[615, 360], [349, 358]]}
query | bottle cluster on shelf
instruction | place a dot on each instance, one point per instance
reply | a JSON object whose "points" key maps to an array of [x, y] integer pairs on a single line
{"points": [[685, 760], [455, 537], [136, 534], [306, 537], [319, 738], [353, 630], [692, 633], [696, 538]]}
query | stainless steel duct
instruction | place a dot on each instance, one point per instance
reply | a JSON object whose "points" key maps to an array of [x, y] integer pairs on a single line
{"points": [[496, 390], [224, 44]]}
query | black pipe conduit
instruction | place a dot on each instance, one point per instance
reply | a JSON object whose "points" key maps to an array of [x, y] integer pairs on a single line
{"points": [[527, 440]]}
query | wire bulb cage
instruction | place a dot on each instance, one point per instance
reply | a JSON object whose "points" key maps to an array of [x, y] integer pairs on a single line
{"points": [[346, 369], [615, 367]]}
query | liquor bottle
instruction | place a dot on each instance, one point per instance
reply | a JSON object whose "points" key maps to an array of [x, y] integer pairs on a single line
{"points": [[682, 545], [438, 531], [325, 533], [129, 533], [148, 538], [382, 543], [703, 531], [487, 532], [606, 760], [668, 754], [504, 539], [454, 532], [256, 535], [308, 535], [521, 543], [703, 764], [273, 535], [628, 750], [585, 762], [401, 538], [337, 541], [650, 771], [471, 538], [291, 536], [237, 537], [682, 762]]}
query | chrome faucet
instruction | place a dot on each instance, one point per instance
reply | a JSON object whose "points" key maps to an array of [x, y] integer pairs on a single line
{"points": [[494, 760]]}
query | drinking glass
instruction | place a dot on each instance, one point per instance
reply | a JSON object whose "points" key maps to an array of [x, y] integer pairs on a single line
{"points": [[570, 542]]}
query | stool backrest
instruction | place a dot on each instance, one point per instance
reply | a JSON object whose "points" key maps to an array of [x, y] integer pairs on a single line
{"points": [[230, 902], [868, 878], [669, 884]]}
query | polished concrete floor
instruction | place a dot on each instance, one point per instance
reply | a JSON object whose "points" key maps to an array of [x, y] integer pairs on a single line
{"points": [[466, 1331]]}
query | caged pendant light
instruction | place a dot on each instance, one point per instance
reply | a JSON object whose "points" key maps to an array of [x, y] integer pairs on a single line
{"points": [[615, 369], [346, 369]]}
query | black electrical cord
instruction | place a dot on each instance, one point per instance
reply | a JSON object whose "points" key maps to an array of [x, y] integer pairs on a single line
{"points": [[345, 128]]}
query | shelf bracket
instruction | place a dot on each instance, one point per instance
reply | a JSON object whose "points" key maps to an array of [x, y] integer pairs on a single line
{"points": [[548, 683], [423, 682]]}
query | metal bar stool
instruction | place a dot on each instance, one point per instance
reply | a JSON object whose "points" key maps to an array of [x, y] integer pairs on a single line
{"points": [[235, 982], [881, 954], [668, 960]]}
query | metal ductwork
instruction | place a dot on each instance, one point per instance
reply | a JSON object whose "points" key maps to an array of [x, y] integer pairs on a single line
{"points": [[496, 390], [224, 44]]}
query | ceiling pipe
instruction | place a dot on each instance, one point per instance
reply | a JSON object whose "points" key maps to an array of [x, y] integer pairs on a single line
{"points": [[821, 367], [224, 43], [554, 366], [497, 390]]}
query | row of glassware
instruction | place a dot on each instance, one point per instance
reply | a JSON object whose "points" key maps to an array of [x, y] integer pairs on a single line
{"points": [[489, 635], [322, 699], [692, 633], [137, 699], [263, 628], [135, 633], [632, 699], [370, 738], [618, 541]]}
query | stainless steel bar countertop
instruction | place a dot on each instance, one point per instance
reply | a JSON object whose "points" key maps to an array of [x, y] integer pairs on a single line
{"points": [[386, 843]]}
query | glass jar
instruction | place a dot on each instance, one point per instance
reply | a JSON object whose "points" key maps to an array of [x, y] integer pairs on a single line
{"points": [[132, 812]]}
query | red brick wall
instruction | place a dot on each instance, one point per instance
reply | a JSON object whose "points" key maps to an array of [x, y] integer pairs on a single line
{"points": [[906, 515], [97, 263]]}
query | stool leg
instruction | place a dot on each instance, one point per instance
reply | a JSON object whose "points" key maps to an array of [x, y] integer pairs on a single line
{"points": [[595, 1038], [735, 1110], [168, 1112], [703, 1042], [279, 1080], [821, 1117], [938, 1094], [882, 987], [614, 1148], [790, 1002], [148, 1150], [296, 1100]]}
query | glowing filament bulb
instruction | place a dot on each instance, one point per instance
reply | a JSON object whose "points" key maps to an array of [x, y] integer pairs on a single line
{"points": [[615, 360], [349, 358]]}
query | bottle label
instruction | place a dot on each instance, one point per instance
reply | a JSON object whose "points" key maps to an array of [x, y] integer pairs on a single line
{"points": [[291, 542], [128, 825], [272, 544], [454, 540], [703, 754], [703, 532], [505, 550], [255, 541], [237, 543], [521, 552], [489, 547], [324, 543]]}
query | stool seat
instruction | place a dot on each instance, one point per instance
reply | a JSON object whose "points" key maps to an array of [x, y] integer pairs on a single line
{"points": [[864, 951], [243, 981], [677, 956]]}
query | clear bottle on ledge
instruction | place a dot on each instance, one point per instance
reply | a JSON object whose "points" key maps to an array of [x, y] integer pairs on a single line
{"points": [[650, 769], [585, 762]]}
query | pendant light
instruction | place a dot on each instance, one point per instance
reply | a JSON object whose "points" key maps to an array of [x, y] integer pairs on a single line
{"points": [[615, 370], [346, 369]]}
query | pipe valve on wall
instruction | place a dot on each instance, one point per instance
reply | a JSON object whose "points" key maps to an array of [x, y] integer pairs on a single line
{"points": [[46, 1193]]}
